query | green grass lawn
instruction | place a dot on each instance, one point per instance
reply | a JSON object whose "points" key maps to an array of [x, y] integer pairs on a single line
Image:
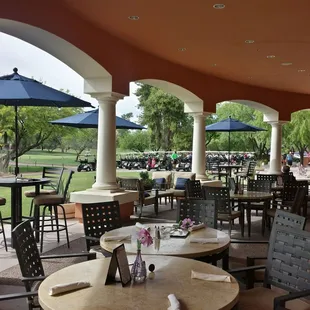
{"points": [[80, 181]]}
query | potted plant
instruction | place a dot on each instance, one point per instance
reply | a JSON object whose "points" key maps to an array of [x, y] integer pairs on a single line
{"points": [[146, 181]]}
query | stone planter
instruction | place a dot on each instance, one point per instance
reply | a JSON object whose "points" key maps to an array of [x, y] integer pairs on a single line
{"points": [[69, 209]]}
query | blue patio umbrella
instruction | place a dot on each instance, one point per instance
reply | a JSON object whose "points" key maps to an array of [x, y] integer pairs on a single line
{"points": [[230, 125], [17, 90], [90, 120]]}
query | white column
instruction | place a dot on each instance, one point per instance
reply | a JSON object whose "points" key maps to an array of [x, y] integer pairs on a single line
{"points": [[106, 144], [275, 147], [199, 146]]}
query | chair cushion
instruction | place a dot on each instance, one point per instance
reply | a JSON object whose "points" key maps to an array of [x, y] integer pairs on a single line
{"points": [[178, 193], [146, 194], [48, 200], [262, 298], [2, 201], [160, 181], [163, 174], [226, 216], [187, 175], [180, 183], [31, 194]]}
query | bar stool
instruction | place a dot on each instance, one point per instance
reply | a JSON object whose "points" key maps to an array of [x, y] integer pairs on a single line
{"points": [[2, 203], [50, 223]]}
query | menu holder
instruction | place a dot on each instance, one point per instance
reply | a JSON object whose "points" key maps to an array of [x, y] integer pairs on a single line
{"points": [[179, 233], [119, 262]]}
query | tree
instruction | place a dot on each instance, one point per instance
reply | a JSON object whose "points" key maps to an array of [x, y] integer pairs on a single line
{"points": [[163, 114], [33, 127], [81, 139], [297, 132], [137, 141]]}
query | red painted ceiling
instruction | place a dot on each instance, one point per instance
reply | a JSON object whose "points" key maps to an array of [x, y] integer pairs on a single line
{"points": [[215, 39]]}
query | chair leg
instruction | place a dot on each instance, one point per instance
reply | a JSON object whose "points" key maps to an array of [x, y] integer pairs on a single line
{"points": [[31, 208], [229, 227], [65, 223], [3, 232], [56, 221], [248, 214], [42, 228]]}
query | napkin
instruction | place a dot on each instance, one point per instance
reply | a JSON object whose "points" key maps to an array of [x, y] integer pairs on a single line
{"points": [[198, 226], [141, 226], [204, 240], [67, 287], [117, 238], [174, 303], [210, 277]]}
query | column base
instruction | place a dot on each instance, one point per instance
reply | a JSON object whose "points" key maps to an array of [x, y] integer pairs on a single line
{"points": [[275, 172], [106, 186]]}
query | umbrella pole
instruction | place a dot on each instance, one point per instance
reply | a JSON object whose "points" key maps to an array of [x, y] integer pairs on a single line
{"points": [[228, 147], [16, 142]]}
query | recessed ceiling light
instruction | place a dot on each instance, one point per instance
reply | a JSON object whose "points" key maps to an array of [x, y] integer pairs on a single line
{"points": [[219, 6], [182, 49], [249, 41], [271, 56], [250, 77], [213, 65], [301, 70], [286, 63], [133, 17]]}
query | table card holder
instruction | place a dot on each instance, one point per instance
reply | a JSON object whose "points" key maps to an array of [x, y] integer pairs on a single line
{"points": [[119, 262]]}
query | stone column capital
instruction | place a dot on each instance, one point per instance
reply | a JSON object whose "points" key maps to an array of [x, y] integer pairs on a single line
{"points": [[276, 123], [199, 114], [107, 97]]}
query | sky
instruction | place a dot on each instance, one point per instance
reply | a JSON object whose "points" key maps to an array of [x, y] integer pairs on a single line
{"points": [[34, 62]]}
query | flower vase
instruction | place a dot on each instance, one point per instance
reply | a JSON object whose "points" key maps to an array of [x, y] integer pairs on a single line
{"points": [[138, 270]]}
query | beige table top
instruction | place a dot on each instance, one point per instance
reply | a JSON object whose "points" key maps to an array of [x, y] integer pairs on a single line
{"points": [[250, 195], [173, 247], [172, 275]]}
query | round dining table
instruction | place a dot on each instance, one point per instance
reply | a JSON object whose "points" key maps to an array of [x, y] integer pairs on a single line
{"points": [[181, 247], [172, 276], [248, 197], [16, 184]]}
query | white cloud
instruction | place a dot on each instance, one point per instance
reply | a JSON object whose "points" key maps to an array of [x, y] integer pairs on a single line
{"points": [[34, 62]]}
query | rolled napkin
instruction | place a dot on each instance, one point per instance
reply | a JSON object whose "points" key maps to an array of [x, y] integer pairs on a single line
{"points": [[204, 240], [198, 226], [117, 238], [141, 226], [174, 303], [67, 287], [210, 277]]}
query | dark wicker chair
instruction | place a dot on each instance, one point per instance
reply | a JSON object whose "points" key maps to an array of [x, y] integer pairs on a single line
{"points": [[51, 203], [258, 186], [193, 189], [30, 260], [203, 211], [267, 177], [282, 218], [98, 218], [225, 213], [248, 172], [54, 174], [287, 268]]}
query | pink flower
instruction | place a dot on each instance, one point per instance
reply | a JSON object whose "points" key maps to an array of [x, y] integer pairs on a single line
{"points": [[187, 223], [144, 237]]}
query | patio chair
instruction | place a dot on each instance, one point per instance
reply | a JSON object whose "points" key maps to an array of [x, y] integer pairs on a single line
{"points": [[287, 269], [258, 186], [98, 218], [30, 261], [203, 211], [55, 175], [282, 218], [248, 172], [51, 203], [225, 213], [267, 177], [193, 189]]}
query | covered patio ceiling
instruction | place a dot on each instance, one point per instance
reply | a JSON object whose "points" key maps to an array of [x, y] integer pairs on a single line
{"points": [[259, 42]]}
